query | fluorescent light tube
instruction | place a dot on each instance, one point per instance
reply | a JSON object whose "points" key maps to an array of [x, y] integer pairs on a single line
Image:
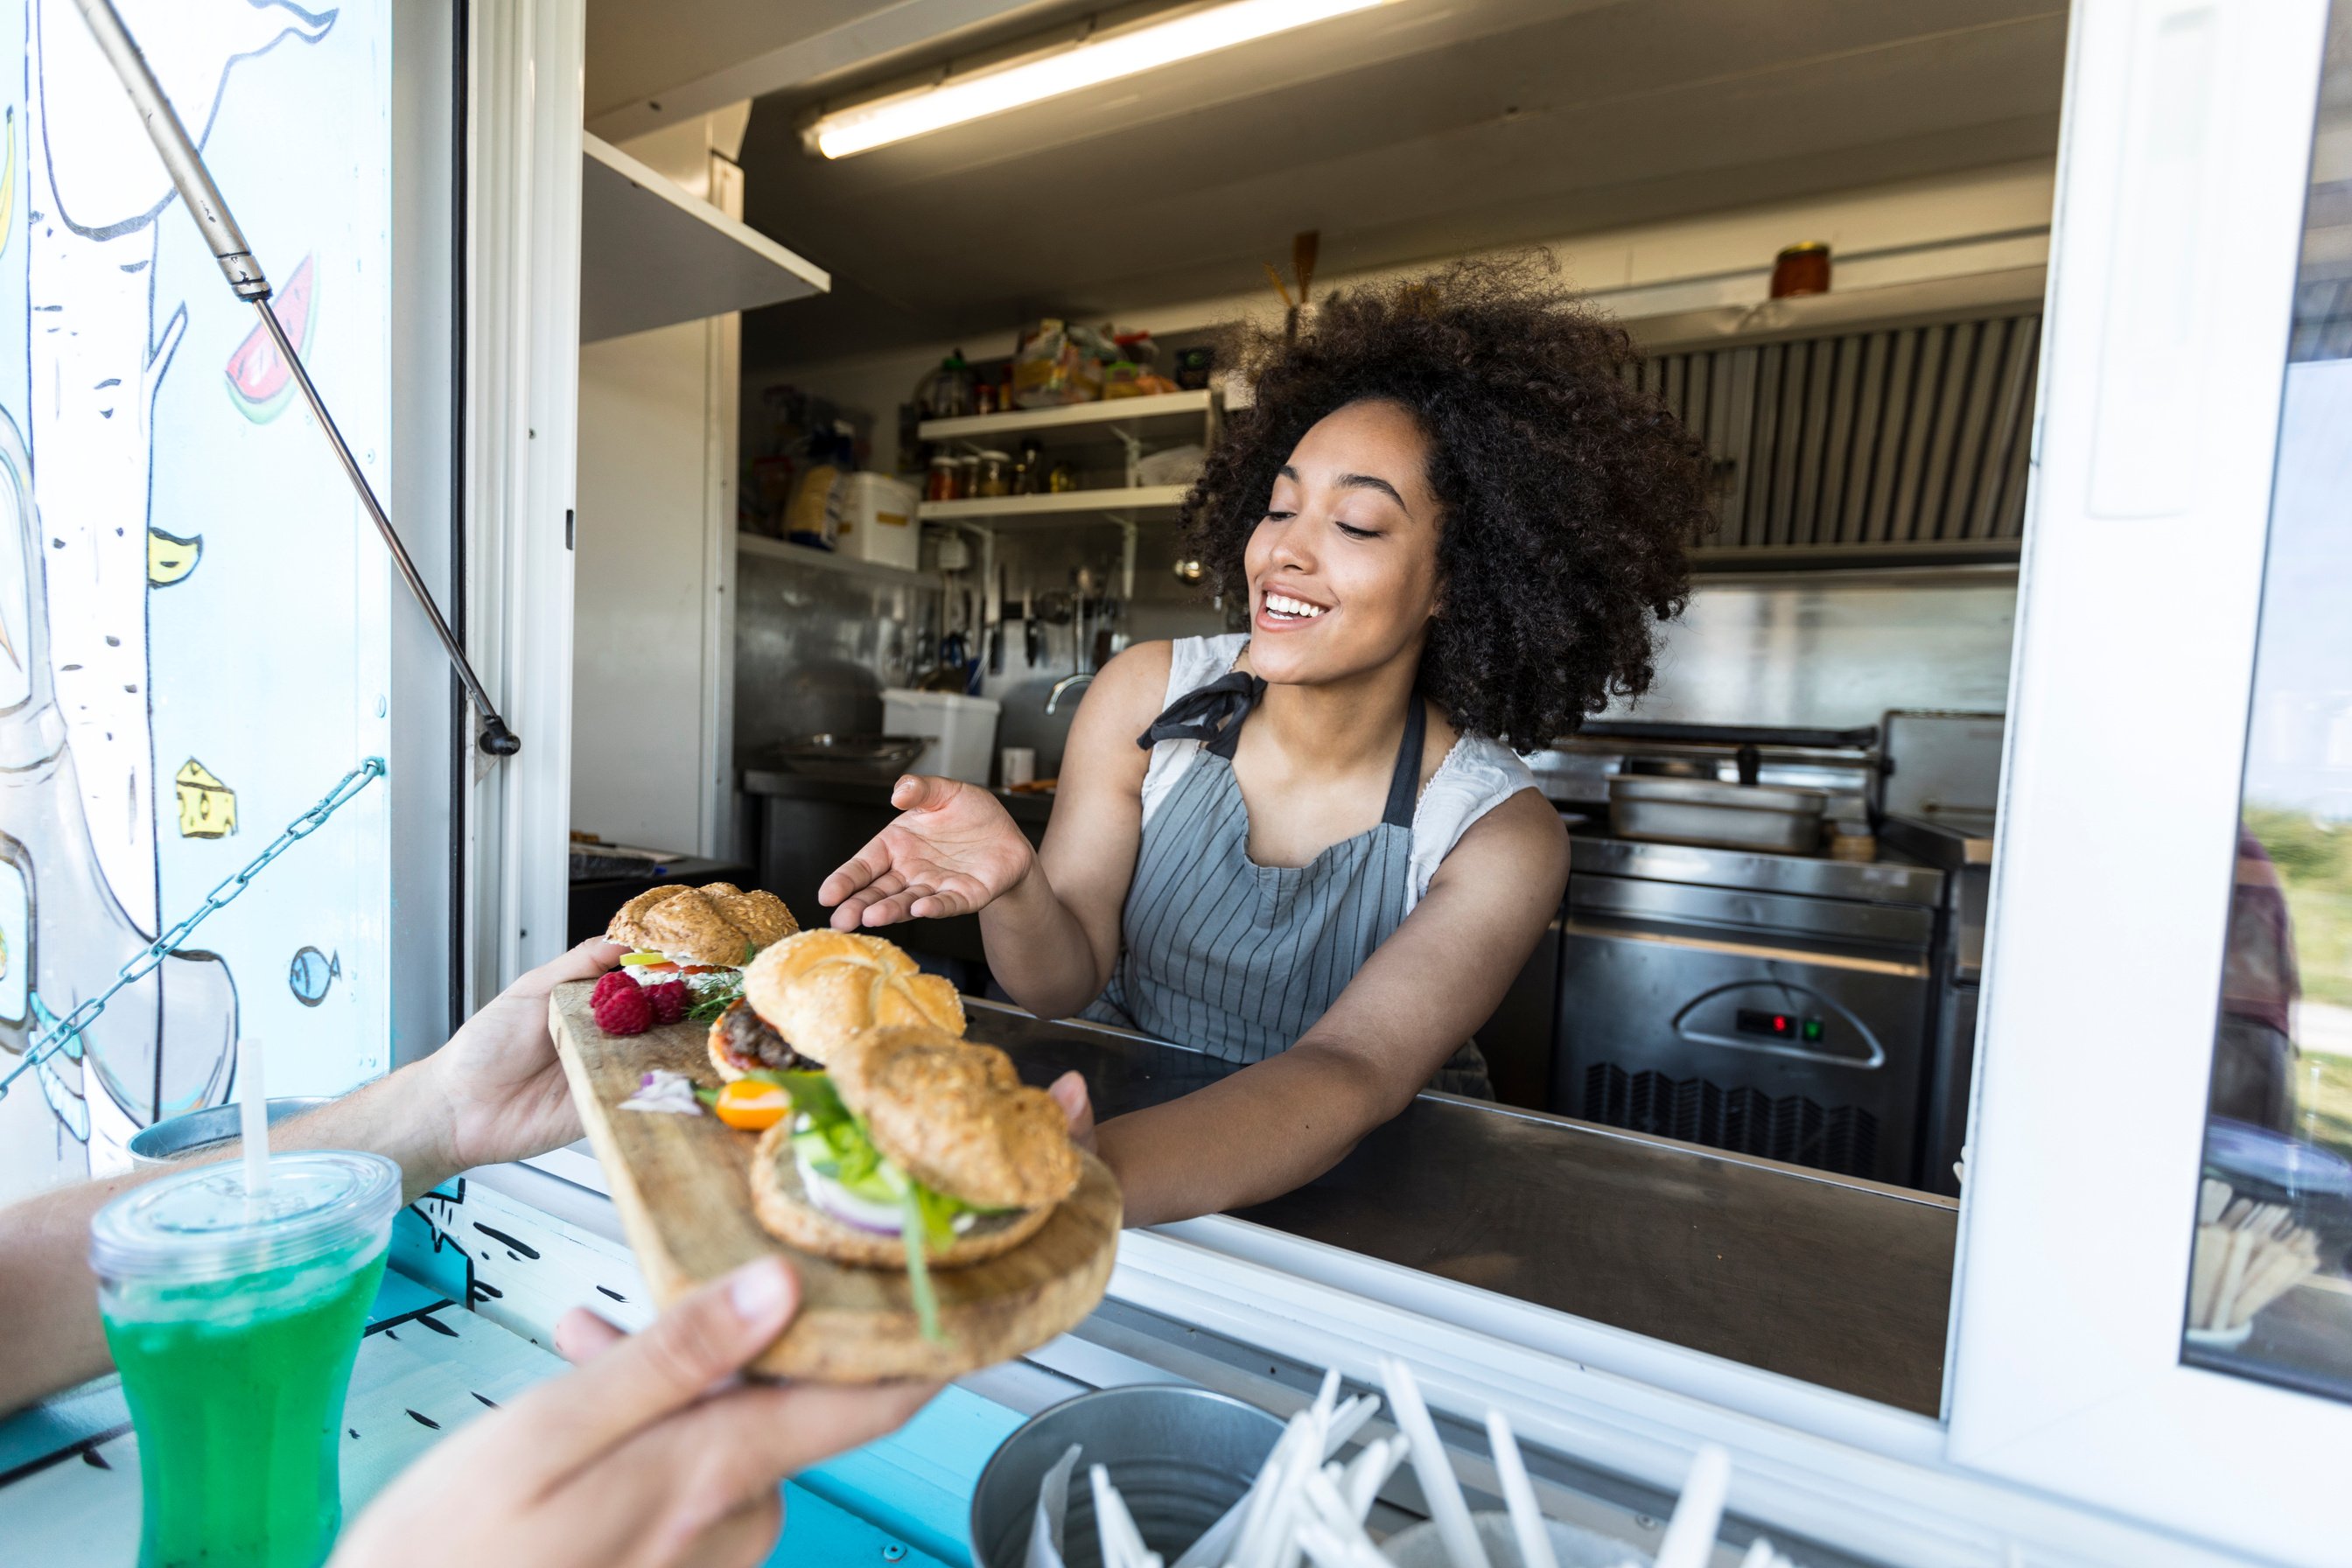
{"points": [[1083, 65]]}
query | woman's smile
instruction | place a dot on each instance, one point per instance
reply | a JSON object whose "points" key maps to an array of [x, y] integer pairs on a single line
{"points": [[1282, 611]]}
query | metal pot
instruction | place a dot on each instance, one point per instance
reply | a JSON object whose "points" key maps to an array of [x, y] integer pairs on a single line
{"points": [[1180, 1457], [200, 1132]]}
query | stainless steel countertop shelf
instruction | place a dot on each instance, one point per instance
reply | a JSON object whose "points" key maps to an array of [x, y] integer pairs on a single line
{"points": [[1836, 1281]]}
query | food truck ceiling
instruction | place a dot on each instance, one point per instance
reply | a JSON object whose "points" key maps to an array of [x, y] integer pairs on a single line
{"points": [[1414, 130]]}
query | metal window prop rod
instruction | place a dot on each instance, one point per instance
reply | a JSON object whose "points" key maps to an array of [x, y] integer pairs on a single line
{"points": [[203, 200]]}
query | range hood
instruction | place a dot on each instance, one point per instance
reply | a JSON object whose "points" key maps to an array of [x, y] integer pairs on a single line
{"points": [[1878, 426]]}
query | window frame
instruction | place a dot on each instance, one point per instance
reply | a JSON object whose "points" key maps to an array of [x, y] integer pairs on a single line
{"points": [[2137, 618]]}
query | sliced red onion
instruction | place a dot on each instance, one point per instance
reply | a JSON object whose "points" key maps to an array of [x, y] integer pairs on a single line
{"points": [[831, 1198], [662, 1090]]}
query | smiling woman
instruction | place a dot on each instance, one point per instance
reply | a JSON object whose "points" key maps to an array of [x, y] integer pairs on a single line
{"points": [[1308, 849], [1568, 495]]}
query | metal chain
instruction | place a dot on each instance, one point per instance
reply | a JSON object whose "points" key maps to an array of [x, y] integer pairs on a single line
{"points": [[146, 961]]}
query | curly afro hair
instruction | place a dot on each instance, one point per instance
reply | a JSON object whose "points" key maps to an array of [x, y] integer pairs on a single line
{"points": [[1569, 493]]}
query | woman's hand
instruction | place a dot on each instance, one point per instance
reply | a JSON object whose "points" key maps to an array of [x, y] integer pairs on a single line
{"points": [[1069, 1092], [953, 850], [639, 1458], [498, 1082]]}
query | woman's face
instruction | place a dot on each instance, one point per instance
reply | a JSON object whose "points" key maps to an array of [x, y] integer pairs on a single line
{"points": [[1343, 567]]}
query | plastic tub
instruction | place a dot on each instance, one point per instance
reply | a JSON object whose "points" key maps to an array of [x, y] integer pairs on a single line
{"points": [[960, 730], [877, 521]]}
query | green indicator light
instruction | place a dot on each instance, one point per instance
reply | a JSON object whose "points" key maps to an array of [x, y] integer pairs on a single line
{"points": [[1813, 1029]]}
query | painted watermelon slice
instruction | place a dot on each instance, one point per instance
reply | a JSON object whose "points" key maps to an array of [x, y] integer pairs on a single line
{"points": [[259, 380]]}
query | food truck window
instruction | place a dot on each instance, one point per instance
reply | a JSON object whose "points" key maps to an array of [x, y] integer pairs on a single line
{"points": [[2267, 1297], [199, 632]]}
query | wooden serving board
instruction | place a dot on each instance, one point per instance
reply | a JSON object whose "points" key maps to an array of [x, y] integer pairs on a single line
{"points": [[681, 1185]]}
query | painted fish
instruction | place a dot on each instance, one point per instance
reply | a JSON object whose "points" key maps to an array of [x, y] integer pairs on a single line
{"points": [[311, 975]]}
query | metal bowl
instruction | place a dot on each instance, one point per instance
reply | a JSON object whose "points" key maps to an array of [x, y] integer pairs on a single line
{"points": [[177, 1137], [1180, 1457]]}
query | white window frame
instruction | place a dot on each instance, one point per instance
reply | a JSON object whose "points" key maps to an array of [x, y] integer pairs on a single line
{"points": [[522, 416], [2137, 627]]}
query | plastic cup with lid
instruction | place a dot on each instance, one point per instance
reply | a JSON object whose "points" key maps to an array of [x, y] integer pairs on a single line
{"points": [[234, 1318]]}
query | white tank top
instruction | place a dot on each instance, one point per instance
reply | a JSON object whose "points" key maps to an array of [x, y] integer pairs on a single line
{"points": [[1476, 776]]}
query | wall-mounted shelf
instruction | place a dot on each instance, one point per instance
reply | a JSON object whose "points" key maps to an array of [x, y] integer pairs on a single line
{"points": [[828, 561], [1168, 414], [653, 254], [1142, 500]]}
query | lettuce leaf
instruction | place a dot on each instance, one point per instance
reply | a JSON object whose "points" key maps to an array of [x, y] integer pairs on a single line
{"points": [[835, 1144]]}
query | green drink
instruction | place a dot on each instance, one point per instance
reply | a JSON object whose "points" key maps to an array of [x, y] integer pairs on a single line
{"points": [[235, 1325]]}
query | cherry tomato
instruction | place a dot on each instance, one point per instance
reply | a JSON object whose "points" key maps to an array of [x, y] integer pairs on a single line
{"points": [[752, 1106]]}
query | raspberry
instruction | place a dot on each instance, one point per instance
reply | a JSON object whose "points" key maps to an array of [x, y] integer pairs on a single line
{"points": [[670, 1001], [623, 1012], [613, 980]]}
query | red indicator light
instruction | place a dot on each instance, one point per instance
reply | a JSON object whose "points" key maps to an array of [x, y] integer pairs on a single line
{"points": [[1780, 1023]]}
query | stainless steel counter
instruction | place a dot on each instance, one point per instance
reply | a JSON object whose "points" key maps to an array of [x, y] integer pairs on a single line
{"points": [[1842, 1283], [1030, 809]]}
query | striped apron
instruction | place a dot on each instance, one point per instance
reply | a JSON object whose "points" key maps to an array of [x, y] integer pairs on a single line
{"points": [[1238, 959]]}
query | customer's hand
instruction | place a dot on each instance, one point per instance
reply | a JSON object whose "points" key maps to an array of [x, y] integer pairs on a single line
{"points": [[639, 1458], [498, 1082], [953, 849]]}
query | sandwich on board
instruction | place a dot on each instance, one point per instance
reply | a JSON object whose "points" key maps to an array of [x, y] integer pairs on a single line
{"points": [[907, 1145], [701, 936]]}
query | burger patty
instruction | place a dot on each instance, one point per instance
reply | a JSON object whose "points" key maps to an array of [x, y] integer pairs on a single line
{"points": [[751, 1038]]}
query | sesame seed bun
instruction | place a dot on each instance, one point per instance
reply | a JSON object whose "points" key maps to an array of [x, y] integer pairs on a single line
{"points": [[956, 1117], [819, 987]]}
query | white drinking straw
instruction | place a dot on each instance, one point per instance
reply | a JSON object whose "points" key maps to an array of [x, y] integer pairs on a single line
{"points": [[1429, 1462], [1690, 1534], [253, 1117], [1519, 1494]]}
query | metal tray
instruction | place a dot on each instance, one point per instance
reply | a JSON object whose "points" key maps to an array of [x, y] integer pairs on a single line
{"points": [[1775, 820], [845, 756]]}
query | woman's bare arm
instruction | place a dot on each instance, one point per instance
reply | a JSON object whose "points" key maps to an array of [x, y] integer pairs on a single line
{"points": [[1279, 1123], [1054, 967]]}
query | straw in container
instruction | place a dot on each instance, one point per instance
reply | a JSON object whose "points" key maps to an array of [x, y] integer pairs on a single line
{"points": [[253, 1120], [1429, 1463]]}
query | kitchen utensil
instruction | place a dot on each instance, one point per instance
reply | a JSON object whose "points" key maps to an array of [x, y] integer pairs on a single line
{"points": [[1700, 811], [1180, 1457], [996, 624], [678, 1183]]}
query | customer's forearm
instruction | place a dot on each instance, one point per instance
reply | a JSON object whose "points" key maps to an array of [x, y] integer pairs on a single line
{"points": [[1039, 951], [48, 1298]]}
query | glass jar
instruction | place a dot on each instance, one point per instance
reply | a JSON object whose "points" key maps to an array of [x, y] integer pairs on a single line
{"points": [[1802, 269], [941, 482], [1062, 478], [995, 475], [1029, 469], [967, 476]]}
